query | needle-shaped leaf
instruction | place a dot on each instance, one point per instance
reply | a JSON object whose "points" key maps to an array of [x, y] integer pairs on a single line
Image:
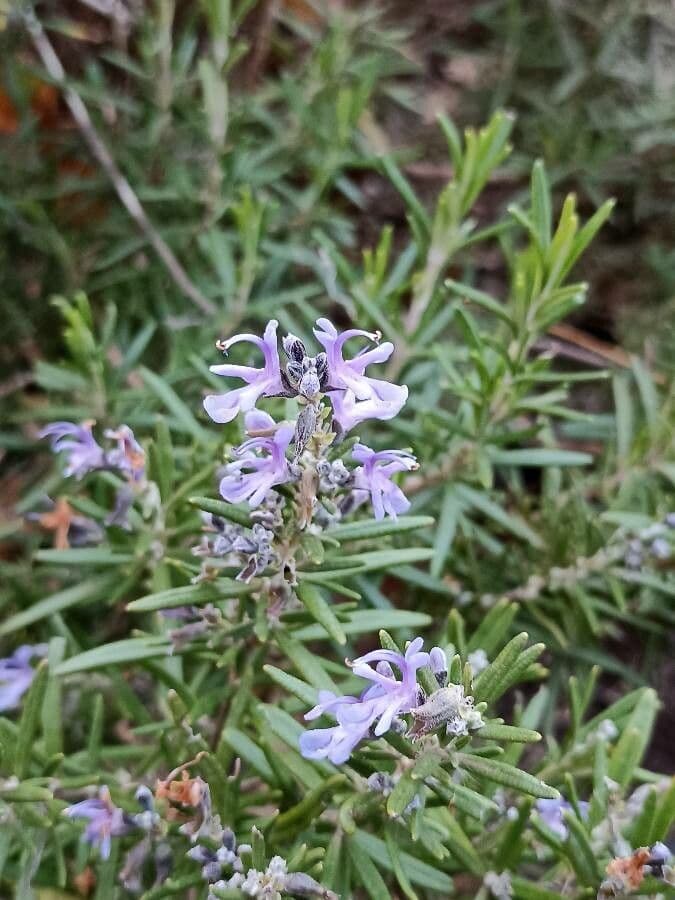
{"points": [[504, 774], [190, 595], [311, 598], [117, 653], [89, 591]]}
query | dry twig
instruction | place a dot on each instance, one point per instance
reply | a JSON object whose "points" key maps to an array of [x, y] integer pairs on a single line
{"points": [[124, 190]]}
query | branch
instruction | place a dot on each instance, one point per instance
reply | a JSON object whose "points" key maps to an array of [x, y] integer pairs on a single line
{"points": [[124, 190]]}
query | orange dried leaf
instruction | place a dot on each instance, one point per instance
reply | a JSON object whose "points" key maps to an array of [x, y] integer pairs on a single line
{"points": [[629, 870]]}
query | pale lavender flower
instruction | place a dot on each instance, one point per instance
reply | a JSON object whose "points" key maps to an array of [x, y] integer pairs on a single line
{"points": [[371, 713], [128, 456], [265, 382], [354, 395], [17, 673], [250, 477], [551, 813], [374, 475], [105, 820], [83, 453]]}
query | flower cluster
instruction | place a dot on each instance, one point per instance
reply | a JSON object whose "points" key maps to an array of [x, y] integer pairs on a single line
{"points": [[104, 820], [271, 883], [275, 882], [354, 396], [250, 548], [226, 855], [282, 453], [652, 544], [83, 454], [379, 708]]}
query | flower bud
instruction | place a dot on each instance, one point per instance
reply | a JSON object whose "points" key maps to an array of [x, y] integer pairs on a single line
{"points": [[294, 348], [200, 854], [144, 797], [439, 665], [211, 871]]}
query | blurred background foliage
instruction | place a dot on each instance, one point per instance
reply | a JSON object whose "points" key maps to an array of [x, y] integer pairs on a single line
{"points": [[271, 142]]}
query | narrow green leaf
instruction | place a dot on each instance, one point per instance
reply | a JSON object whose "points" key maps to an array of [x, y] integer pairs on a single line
{"points": [[540, 456], [84, 556], [509, 776], [259, 856], [402, 795], [309, 808], [639, 831], [665, 815], [382, 559], [30, 719], [445, 533], [371, 528], [493, 627], [306, 663], [460, 846], [331, 861], [311, 599], [26, 792], [480, 298], [249, 752], [541, 203], [527, 890], [587, 233], [293, 685], [170, 399], [489, 684], [399, 871], [495, 512], [581, 853], [624, 414], [116, 653], [367, 873], [237, 513], [190, 595], [495, 731], [85, 592], [52, 726], [632, 744], [418, 872]]}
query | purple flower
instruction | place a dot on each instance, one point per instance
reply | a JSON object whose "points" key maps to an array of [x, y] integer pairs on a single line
{"points": [[265, 382], [16, 674], [374, 475], [371, 713], [355, 396], [250, 477], [551, 813], [128, 456], [105, 820], [83, 453]]}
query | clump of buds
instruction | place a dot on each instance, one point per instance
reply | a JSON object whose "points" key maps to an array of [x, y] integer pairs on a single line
{"points": [[447, 707]]}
